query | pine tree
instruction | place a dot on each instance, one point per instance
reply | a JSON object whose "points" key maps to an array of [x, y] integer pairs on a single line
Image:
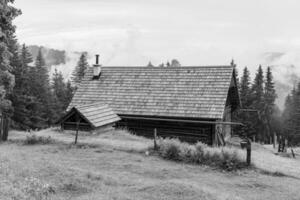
{"points": [[150, 64], [270, 93], [21, 97], [7, 30], [63, 93], [59, 92], [69, 94], [245, 88], [80, 69], [291, 116], [42, 111], [248, 130], [236, 74], [269, 102], [257, 101]]}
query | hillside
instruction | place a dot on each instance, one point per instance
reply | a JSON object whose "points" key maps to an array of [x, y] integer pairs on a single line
{"points": [[114, 166]]}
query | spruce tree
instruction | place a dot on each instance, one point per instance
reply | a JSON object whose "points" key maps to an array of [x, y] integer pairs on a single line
{"points": [[245, 89], [42, 111], [80, 69], [270, 93], [257, 102], [21, 96], [243, 116], [269, 102], [293, 122], [59, 92], [7, 30]]}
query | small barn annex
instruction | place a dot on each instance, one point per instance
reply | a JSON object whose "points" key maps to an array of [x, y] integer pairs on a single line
{"points": [[192, 103], [87, 117]]}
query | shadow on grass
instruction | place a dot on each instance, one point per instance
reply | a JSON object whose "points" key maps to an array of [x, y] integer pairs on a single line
{"points": [[276, 174]]}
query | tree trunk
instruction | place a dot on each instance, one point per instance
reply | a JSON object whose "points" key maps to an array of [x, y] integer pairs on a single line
{"points": [[5, 128], [1, 127]]}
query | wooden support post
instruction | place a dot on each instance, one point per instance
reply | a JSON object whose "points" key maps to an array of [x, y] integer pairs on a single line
{"points": [[77, 128], [274, 140], [76, 136], [155, 137], [248, 147]]}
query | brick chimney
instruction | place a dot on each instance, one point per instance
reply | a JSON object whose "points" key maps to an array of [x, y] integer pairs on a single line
{"points": [[96, 68]]}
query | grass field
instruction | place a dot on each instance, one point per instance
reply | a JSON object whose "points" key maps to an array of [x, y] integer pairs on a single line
{"points": [[114, 166]]}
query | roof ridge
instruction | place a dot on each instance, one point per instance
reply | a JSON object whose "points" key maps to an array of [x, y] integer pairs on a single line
{"points": [[181, 67]]}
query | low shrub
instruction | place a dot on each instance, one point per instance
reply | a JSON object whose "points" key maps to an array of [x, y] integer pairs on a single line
{"points": [[226, 158], [33, 139], [170, 149]]}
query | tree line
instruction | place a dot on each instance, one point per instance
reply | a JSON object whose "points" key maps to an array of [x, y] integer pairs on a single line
{"points": [[290, 123], [263, 120], [258, 105], [27, 94], [38, 101]]}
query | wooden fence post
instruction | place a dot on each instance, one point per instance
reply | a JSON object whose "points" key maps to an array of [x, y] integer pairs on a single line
{"points": [[5, 128], [1, 126], [155, 137], [274, 140]]}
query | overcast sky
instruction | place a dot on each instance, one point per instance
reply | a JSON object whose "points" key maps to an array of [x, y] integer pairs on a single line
{"points": [[132, 32], [196, 32]]}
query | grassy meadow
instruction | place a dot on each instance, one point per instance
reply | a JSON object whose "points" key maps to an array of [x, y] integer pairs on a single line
{"points": [[115, 166]]}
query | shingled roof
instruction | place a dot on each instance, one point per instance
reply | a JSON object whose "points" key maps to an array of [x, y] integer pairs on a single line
{"points": [[194, 92], [97, 114]]}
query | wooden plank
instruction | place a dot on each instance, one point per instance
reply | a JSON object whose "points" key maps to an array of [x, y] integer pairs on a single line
{"points": [[182, 120]]}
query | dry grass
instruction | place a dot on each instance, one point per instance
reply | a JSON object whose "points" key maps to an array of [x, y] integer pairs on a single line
{"points": [[105, 169]]}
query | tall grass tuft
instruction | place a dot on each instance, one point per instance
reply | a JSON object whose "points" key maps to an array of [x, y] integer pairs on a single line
{"points": [[226, 158], [33, 139]]}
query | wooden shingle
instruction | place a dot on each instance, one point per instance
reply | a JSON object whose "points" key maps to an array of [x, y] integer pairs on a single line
{"points": [[194, 92], [97, 114]]}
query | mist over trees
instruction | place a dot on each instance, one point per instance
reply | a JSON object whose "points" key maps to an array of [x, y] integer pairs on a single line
{"points": [[174, 63], [52, 56]]}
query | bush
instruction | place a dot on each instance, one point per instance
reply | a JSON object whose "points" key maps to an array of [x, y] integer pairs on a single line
{"points": [[170, 149], [225, 157], [33, 139]]}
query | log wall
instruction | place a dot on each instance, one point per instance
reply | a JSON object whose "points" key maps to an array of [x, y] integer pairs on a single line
{"points": [[189, 132]]}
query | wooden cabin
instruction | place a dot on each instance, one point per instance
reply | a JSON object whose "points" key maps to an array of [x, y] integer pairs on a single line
{"points": [[193, 103], [90, 117]]}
